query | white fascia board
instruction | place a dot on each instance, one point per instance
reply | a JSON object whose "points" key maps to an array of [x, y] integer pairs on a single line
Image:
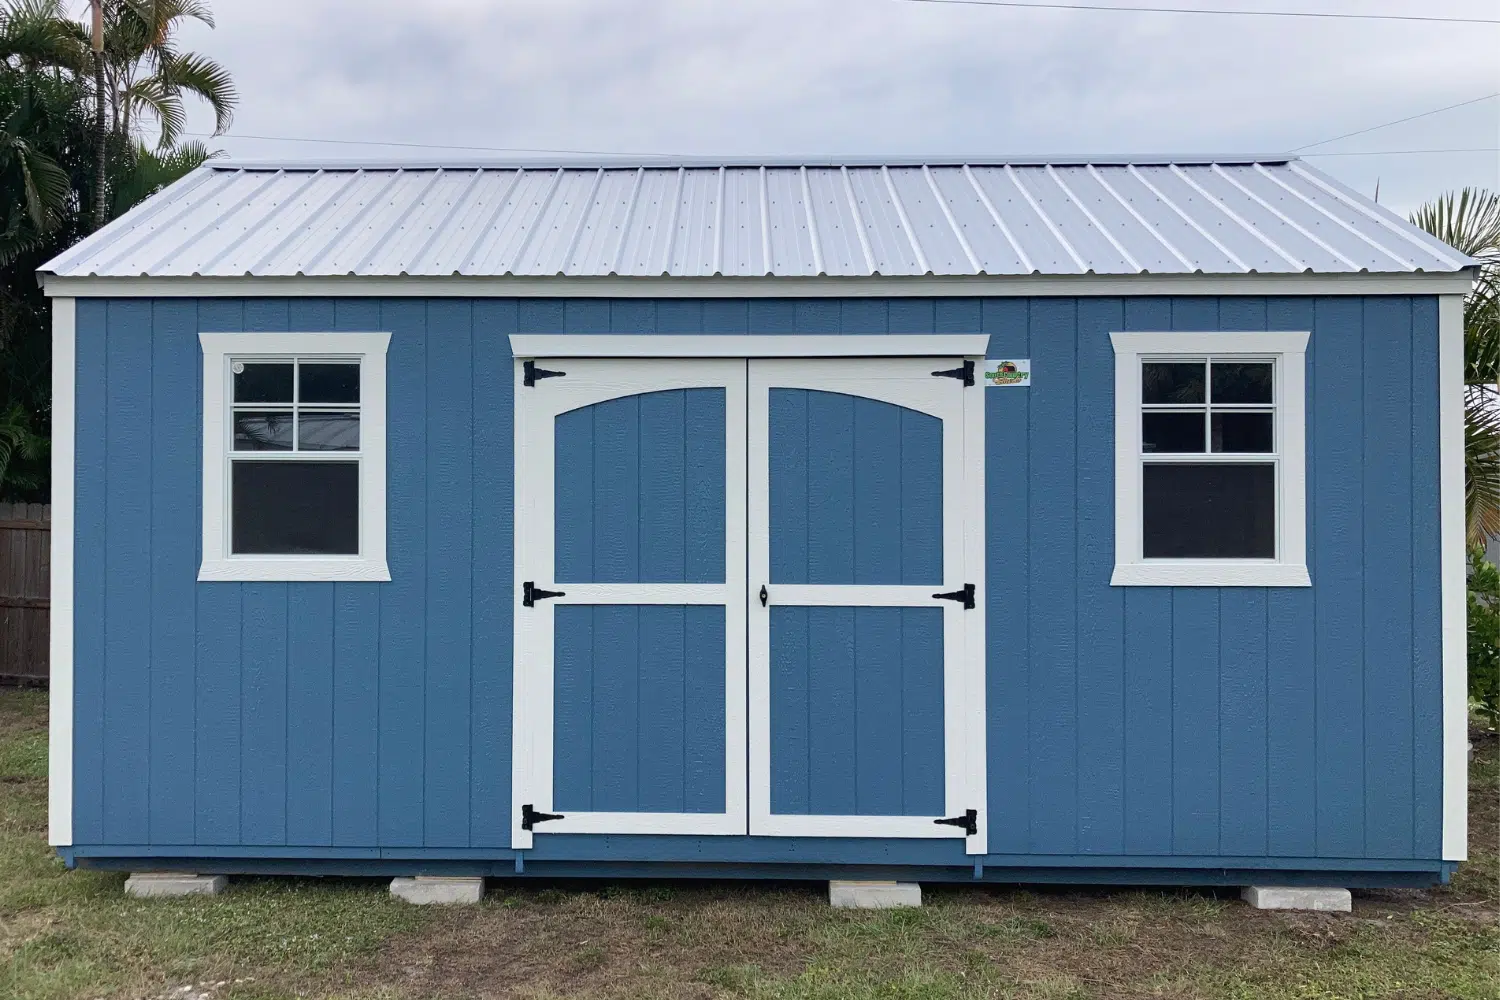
{"points": [[1453, 572], [60, 683], [977, 285], [773, 346]]}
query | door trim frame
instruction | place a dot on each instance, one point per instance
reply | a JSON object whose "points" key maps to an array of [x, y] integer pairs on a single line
{"points": [[532, 686], [801, 345], [964, 715]]}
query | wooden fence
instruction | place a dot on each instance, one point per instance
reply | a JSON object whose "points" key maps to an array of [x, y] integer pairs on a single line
{"points": [[25, 594]]}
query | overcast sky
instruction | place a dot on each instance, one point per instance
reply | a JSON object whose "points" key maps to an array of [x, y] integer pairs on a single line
{"points": [[788, 77]]}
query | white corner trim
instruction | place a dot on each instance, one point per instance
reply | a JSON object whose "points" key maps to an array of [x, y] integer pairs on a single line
{"points": [[1289, 569], [1454, 580], [773, 346], [60, 652], [544, 286], [218, 563]]}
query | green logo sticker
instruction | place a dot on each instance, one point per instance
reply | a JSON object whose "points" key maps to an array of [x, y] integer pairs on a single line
{"points": [[1007, 373]]}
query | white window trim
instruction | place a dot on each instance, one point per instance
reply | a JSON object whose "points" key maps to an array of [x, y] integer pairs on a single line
{"points": [[218, 563], [1289, 568]]}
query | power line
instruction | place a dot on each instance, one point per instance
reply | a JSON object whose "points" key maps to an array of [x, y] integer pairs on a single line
{"points": [[1405, 152], [1398, 121], [1204, 10], [424, 145]]}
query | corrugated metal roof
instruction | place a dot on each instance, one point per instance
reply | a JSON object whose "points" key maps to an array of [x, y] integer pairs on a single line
{"points": [[960, 216]]}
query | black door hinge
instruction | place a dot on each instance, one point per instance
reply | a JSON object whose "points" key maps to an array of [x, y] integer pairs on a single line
{"points": [[530, 817], [530, 373], [531, 593], [969, 821], [964, 372], [964, 597]]}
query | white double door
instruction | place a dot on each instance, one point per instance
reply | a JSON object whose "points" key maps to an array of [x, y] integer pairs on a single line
{"points": [[749, 598]]}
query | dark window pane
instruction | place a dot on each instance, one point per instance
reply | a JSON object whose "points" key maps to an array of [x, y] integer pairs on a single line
{"points": [[1209, 512], [1243, 432], [262, 382], [1172, 432], [1172, 382], [320, 431], [262, 432], [1242, 381], [329, 382], [290, 507]]}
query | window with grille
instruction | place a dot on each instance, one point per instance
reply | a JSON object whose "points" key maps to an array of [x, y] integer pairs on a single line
{"points": [[1210, 459], [294, 464]]}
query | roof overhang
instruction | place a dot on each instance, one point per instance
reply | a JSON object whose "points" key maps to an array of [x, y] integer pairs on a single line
{"points": [[960, 286]]}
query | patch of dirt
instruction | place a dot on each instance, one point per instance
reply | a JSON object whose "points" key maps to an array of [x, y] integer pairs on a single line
{"points": [[541, 942], [710, 941]]}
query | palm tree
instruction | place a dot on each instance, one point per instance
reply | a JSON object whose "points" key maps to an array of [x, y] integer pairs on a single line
{"points": [[148, 76], [130, 62], [1470, 222]]}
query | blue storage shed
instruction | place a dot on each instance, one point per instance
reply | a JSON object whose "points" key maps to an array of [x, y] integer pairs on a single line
{"points": [[1091, 520]]}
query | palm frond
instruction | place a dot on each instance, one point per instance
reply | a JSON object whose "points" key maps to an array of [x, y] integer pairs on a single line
{"points": [[1482, 463], [40, 33], [154, 169], [200, 75], [1468, 221], [163, 102]]}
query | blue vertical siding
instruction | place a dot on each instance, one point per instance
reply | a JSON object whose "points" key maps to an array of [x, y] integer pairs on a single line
{"points": [[639, 717], [1100, 614], [218, 776], [492, 568], [855, 491], [857, 711], [356, 672], [1132, 722], [175, 485], [640, 489], [1291, 677]]}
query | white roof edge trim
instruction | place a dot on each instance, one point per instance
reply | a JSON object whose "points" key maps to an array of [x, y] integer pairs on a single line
{"points": [[970, 286], [784, 345]]}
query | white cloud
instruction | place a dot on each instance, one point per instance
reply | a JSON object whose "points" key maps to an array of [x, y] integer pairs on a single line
{"points": [[801, 76]]}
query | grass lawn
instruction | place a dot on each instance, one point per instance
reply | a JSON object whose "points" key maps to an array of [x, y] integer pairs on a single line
{"points": [[75, 935]]}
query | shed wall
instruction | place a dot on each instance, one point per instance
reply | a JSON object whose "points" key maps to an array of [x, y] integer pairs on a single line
{"points": [[357, 719]]}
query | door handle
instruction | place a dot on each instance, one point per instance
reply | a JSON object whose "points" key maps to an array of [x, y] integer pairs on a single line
{"points": [[764, 597]]}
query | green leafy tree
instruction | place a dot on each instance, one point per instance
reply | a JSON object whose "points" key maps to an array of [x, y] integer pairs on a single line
{"points": [[52, 177], [1469, 221]]}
